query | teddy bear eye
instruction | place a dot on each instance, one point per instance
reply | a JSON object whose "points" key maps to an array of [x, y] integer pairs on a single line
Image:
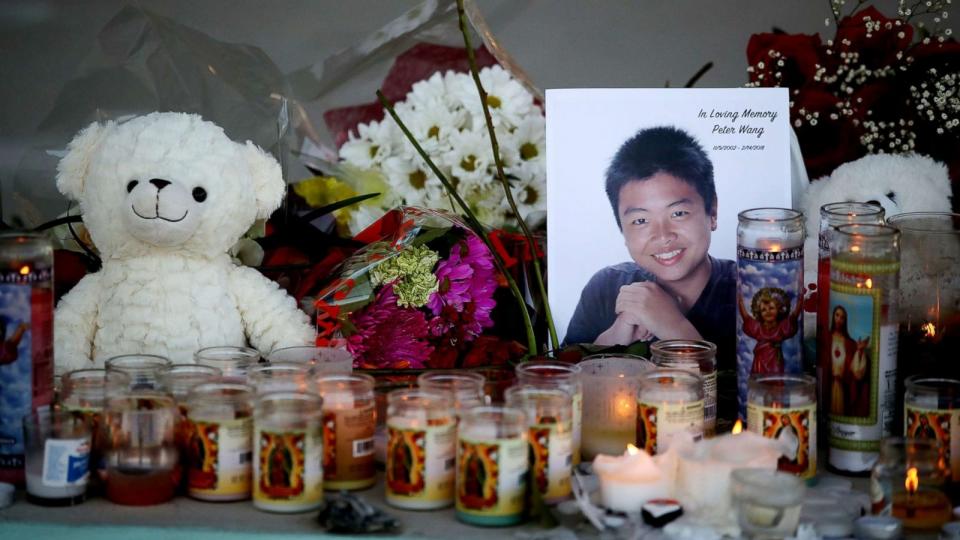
{"points": [[131, 185], [199, 194]]}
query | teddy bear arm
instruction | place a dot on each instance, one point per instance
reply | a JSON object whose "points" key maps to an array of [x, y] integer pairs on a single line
{"points": [[271, 318], [75, 323]]}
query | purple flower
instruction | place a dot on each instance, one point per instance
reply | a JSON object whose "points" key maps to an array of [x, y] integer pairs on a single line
{"points": [[464, 300], [389, 336]]}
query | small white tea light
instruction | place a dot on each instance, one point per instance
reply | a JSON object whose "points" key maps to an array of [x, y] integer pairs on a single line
{"points": [[630, 480]]}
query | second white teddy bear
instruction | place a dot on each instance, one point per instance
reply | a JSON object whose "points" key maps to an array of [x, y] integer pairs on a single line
{"points": [[164, 196]]}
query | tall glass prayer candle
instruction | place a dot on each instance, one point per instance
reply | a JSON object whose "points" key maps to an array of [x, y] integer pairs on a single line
{"points": [[784, 407], [26, 328], [144, 370], [769, 294], [466, 387], [932, 411], [700, 357], [233, 362], [864, 273], [281, 377], [84, 394], [349, 422], [929, 306], [143, 465], [492, 466], [320, 359], [833, 215], [421, 449], [288, 452], [610, 385], [549, 414], [564, 376], [670, 401], [220, 446]]}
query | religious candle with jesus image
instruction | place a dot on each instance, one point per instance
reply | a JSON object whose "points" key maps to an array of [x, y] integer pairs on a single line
{"points": [[769, 295]]}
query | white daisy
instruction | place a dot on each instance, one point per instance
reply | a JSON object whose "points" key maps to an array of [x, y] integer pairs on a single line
{"points": [[530, 139], [431, 126], [376, 141], [408, 179], [469, 158], [507, 99]]}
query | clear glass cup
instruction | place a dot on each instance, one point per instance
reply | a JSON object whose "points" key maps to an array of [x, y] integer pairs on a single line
{"points": [[610, 385], [56, 453], [767, 502], [320, 359], [179, 379], [143, 369], [466, 387], [280, 377], [233, 362]]}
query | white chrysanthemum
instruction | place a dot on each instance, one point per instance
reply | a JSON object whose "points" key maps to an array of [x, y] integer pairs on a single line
{"points": [[425, 93], [507, 99], [410, 180], [376, 142], [470, 158], [529, 140], [529, 196], [431, 126]]}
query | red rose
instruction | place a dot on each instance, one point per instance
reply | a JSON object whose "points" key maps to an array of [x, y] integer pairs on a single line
{"points": [[876, 45], [800, 53]]}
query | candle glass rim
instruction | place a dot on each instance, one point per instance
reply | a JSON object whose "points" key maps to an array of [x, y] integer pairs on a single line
{"points": [[44, 420], [445, 379], [151, 362], [236, 392], [705, 349], [427, 396], [359, 384], [560, 371], [159, 400], [278, 367], [88, 378], [918, 381], [16, 233], [788, 215], [497, 414], [310, 399], [831, 210], [904, 220], [868, 231], [677, 374], [552, 391], [318, 355], [799, 380], [621, 363], [224, 353]]}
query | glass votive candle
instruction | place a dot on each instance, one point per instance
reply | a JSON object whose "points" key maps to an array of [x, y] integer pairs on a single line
{"points": [[610, 386], [492, 466], [141, 455], [288, 452], [349, 423], [549, 413], [784, 407], [220, 441], [700, 357], [83, 393], [421, 449], [233, 362], [767, 502], [179, 379], [280, 377], [466, 387], [669, 402], [56, 453], [907, 482], [564, 376], [320, 359], [932, 411], [143, 369]]}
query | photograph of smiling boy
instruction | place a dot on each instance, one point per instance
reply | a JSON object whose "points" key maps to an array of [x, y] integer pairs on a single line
{"points": [[661, 189]]}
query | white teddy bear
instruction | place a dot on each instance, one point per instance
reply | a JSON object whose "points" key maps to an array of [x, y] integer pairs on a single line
{"points": [[164, 196], [900, 183]]}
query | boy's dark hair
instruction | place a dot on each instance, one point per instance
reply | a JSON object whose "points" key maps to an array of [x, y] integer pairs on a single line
{"points": [[661, 149]]}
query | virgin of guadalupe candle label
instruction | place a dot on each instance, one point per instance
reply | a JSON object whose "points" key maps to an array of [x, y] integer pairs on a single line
{"points": [[939, 425], [658, 422], [287, 467], [348, 453], [862, 377], [26, 358], [66, 462], [420, 462], [769, 304], [220, 458], [551, 458], [491, 477], [795, 428]]}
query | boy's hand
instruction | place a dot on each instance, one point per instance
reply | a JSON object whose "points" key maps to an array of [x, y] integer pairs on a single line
{"points": [[620, 333], [647, 306]]}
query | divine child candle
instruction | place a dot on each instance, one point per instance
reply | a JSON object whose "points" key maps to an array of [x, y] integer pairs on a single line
{"points": [[670, 401], [288, 452], [26, 327], [932, 411], [700, 357], [421, 449], [784, 407], [349, 421], [564, 376], [833, 215], [769, 294], [492, 466], [864, 273], [550, 419], [220, 446]]}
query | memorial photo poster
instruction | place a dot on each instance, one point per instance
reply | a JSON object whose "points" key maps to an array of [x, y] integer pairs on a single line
{"points": [[742, 134]]}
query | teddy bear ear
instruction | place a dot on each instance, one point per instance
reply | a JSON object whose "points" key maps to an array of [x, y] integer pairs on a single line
{"points": [[72, 169], [268, 183]]}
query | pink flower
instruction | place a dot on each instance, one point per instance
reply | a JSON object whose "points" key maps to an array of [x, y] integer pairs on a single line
{"points": [[389, 336], [464, 300]]}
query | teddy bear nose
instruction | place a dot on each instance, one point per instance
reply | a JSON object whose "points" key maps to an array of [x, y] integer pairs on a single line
{"points": [[160, 183]]}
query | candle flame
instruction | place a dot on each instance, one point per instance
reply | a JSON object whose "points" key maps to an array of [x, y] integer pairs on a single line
{"points": [[912, 482], [737, 428], [855, 249], [869, 283], [775, 248], [632, 450], [24, 270], [929, 329]]}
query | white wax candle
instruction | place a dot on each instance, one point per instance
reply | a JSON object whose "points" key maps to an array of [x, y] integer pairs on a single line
{"points": [[630, 480]]}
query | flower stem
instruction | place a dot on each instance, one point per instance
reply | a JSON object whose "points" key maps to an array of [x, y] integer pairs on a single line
{"points": [[471, 218], [471, 57]]}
